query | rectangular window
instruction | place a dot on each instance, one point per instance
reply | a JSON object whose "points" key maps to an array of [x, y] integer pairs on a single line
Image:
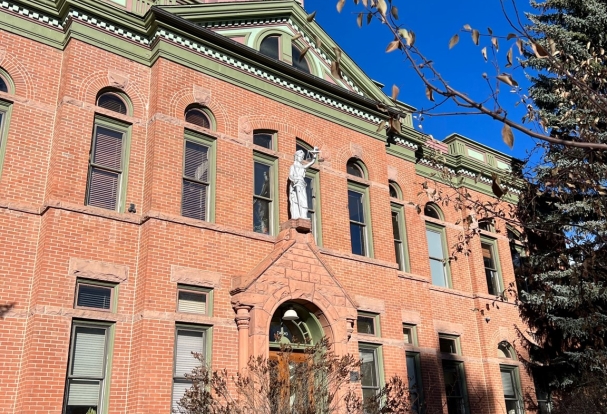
{"points": [[369, 370], [197, 177], [512, 390], [414, 379], [264, 193], [410, 334], [455, 387], [436, 251], [449, 344], [399, 236], [542, 392], [264, 139], [192, 300], [87, 369], [107, 166], [94, 295], [188, 340], [360, 231], [367, 324], [5, 109], [313, 192], [494, 284]]}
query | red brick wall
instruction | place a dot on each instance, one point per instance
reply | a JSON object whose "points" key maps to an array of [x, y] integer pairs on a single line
{"points": [[44, 225]]}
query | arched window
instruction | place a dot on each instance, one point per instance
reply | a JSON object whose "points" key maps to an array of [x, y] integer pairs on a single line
{"points": [[505, 350], [299, 62], [270, 46], [486, 224], [113, 102], [196, 114], [356, 168], [3, 85], [433, 211], [395, 191]]}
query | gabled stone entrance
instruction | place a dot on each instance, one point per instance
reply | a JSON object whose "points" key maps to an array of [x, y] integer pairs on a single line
{"points": [[293, 271]]}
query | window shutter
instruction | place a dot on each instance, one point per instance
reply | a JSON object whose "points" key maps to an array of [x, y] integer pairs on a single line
{"points": [[193, 302], [83, 393], [187, 342], [106, 168], [508, 383], [89, 352], [179, 389]]}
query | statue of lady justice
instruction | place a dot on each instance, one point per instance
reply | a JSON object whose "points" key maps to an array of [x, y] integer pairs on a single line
{"points": [[298, 199]]}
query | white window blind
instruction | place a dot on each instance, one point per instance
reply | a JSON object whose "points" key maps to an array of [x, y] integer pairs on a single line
{"points": [[192, 302], [187, 342], [195, 181], [83, 393], [508, 384]]}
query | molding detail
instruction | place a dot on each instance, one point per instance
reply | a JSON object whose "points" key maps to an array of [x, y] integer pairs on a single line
{"points": [[117, 30], [30, 14], [91, 269], [196, 277], [117, 79]]}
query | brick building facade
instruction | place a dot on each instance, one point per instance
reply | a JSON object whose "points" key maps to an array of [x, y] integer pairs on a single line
{"points": [[144, 157]]}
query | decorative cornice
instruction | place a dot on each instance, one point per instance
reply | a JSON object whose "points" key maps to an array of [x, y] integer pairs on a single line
{"points": [[109, 27], [31, 14]]}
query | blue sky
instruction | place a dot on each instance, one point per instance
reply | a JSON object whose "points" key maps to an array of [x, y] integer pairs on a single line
{"points": [[434, 22]]}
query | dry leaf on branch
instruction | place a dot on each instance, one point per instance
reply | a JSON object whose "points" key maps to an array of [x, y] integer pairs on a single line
{"points": [[495, 43], [454, 40], [429, 93], [303, 52], [475, 36], [359, 20], [382, 7], [509, 58], [297, 36], [394, 12], [484, 53], [381, 126], [508, 136], [507, 79], [519, 44], [467, 27], [395, 91], [340, 5], [510, 36], [392, 46], [310, 17], [539, 51]]}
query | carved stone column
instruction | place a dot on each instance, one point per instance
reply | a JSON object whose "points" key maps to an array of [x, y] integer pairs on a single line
{"points": [[243, 319], [350, 327]]}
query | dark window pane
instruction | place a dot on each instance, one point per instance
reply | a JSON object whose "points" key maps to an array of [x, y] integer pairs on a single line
{"points": [[488, 255], [413, 380], [263, 140], [299, 62], [112, 102], [431, 211], [368, 368], [310, 192], [94, 296], [3, 85], [355, 206], [395, 226], [107, 150], [261, 216], [299, 147], [447, 345], [492, 282], [393, 192], [353, 169], [197, 117], [357, 238], [103, 189], [196, 165], [365, 325], [269, 47], [194, 200], [262, 180], [398, 247]]}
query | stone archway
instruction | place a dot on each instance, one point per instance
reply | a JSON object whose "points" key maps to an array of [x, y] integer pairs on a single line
{"points": [[294, 271]]}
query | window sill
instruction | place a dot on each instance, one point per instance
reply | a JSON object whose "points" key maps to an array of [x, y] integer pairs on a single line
{"points": [[363, 259], [411, 276], [451, 291]]}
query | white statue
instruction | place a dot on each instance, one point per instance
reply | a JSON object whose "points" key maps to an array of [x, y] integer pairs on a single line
{"points": [[298, 199]]}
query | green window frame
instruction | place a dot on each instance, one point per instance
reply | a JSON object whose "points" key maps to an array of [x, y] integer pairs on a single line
{"points": [[511, 384], [410, 334], [188, 339], [359, 209], [189, 299], [449, 344], [198, 180], [372, 370], [91, 294], [493, 274], [265, 194], [414, 381], [399, 232], [5, 115], [440, 270], [265, 138], [456, 391], [367, 323], [106, 162], [89, 367], [314, 214]]}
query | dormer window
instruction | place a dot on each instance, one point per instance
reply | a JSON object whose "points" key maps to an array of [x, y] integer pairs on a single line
{"points": [[299, 62], [270, 47]]}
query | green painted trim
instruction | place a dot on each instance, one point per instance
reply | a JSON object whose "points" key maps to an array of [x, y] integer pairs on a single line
{"points": [[113, 286], [208, 342], [376, 322], [517, 382], [284, 40], [414, 337], [443, 233], [359, 188], [127, 100], [6, 109], [315, 177], [31, 30], [108, 371], [400, 152], [496, 257], [126, 148], [273, 163], [272, 132], [381, 375], [418, 375], [8, 80], [208, 291], [403, 230], [211, 143]]}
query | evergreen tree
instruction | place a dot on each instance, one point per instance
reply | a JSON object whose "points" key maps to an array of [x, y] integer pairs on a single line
{"points": [[563, 210]]}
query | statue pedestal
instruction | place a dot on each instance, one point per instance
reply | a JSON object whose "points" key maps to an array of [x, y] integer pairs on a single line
{"points": [[301, 225]]}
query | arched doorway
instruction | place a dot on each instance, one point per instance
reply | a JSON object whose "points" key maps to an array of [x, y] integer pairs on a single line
{"points": [[295, 325]]}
